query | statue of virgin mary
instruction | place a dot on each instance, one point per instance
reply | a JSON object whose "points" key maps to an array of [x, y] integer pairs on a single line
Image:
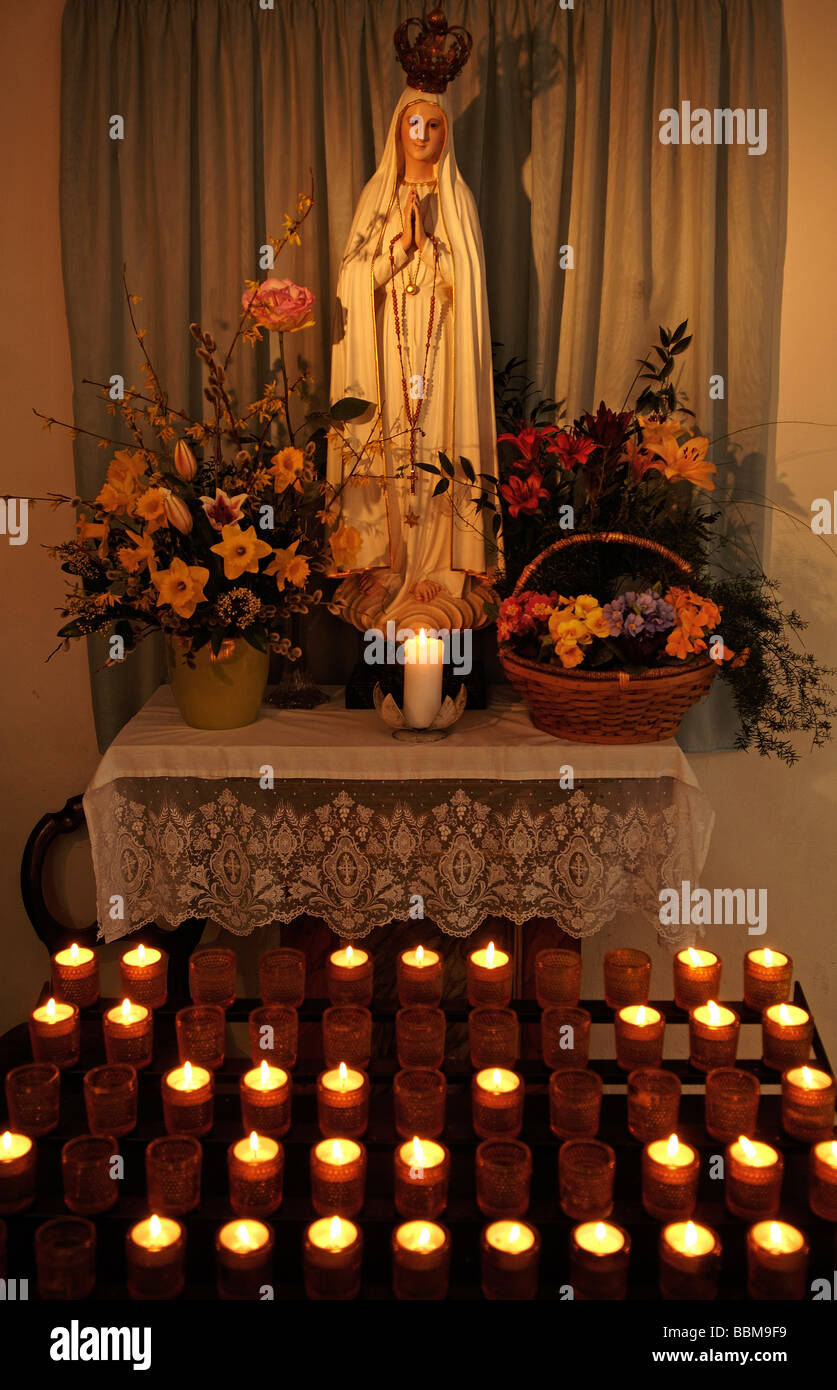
{"points": [[411, 335]]}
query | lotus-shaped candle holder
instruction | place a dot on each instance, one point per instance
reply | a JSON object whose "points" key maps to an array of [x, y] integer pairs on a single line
{"points": [[449, 712]]}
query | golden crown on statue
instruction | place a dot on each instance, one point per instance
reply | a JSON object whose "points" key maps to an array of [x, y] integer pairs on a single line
{"points": [[431, 62]]}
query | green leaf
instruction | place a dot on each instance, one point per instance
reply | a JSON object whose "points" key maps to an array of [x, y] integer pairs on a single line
{"points": [[447, 466], [349, 408], [428, 468], [496, 523], [468, 470], [665, 338], [216, 637], [257, 637], [679, 331], [682, 345], [442, 486]]}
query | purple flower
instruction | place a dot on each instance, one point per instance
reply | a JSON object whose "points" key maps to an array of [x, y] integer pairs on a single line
{"points": [[634, 624]]}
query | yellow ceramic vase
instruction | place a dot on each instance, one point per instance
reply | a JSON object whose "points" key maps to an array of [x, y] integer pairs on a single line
{"points": [[218, 692]]}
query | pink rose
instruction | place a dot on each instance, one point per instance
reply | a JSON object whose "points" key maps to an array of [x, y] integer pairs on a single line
{"points": [[280, 305]]}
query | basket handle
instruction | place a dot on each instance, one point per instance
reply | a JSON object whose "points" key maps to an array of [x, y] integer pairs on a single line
{"points": [[599, 536]]}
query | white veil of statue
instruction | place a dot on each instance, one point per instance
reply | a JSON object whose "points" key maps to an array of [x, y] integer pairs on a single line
{"points": [[400, 534]]}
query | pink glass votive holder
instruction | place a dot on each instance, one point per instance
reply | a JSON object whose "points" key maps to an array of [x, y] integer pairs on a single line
{"points": [[697, 977], [75, 976], [509, 1259], [188, 1100], [420, 1036], [55, 1033], [808, 1104], [565, 1037], [494, 1036], [586, 1170], [489, 977], [144, 972], [274, 1035], [338, 1177], [155, 1252], [18, 1164], [421, 1260], [212, 976], [282, 976], [201, 1035], [786, 1036], [422, 1174], [265, 1094], [256, 1174], [575, 1104], [497, 1096], [110, 1098], [342, 1103], [243, 1258], [129, 1034], [557, 977], [173, 1174], [689, 1272], [669, 1180], [627, 977], [65, 1257], [822, 1180], [349, 977], [419, 1097], [713, 1036], [419, 977], [332, 1254], [653, 1103], [599, 1257], [767, 978], [753, 1180], [87, 1172], [732, 1103], [504, 1177], [347, 1036], [776, 1270], [33, 1097], [640, 1034]]}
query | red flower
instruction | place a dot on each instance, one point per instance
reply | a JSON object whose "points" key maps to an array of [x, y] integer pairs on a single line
{"points": [[571, 449], [523, 494], [529, 442]]}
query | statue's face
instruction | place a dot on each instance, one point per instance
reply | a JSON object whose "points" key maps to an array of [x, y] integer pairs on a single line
{"points": [[423, 132]]}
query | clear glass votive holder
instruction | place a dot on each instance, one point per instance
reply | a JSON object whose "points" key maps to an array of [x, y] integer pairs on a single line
{"points": [[575, 1104], [557, 977], [640, 1034], [343, 1103], [766, 983], [420, 1036], [155, 1252], [65, 1258], [129, 1034], [110, 1099], [256, 1175], [144, 972], [274, 1035], [282, 976], [599, 1257], [243, 1258], [822, 1180], [776, 1268], [509, 1258], [586, 1170], [55, 1034], [669, 1180], [697, 978], [173, 1174], [421, 1261], [494, 1036], [338, 1177], [786, 1036], [653, 1103], [753, 1187], [86, 1171], [347, 1036], [689, 1261], [265, 1094], [565, 1037], [33, 1093], [3, 1242], [422, 1174], [419, 978], [349, 977], [75, 977], [713, 1044], [201, 1035], [504, 1177], [497, 1097], [419, 1097], [627, 977], [732, 1103], [188, 1104], [332, 1255], [808, 1110], [489, 977], [212, 976], [18, 1166]]}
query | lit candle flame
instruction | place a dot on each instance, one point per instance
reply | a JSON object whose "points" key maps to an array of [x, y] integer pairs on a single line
{"points": [[694, 958], [419, 955], [834, 1149], [343, 1071], [749, 1149], [6, 1141], [514, 1235], [423, 1237], [254, 1141], [784, 1017], [187, 1073], [74, 951], [496, 1079], [714, 1012], [141, 953], [50, 1008], [154, 1228], [775, 1233], [673, 1146], [264, 1073], [418, 1152], [640, 1015], [242, 1232], [489, 954], [335, 1228], [600, 1231], [422, 641], [349, 955], [768, 956], [807, 1078], [690, 1235], [126, 1008], [337, 1151]]}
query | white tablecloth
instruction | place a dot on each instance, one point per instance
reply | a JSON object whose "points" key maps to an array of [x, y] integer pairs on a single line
{"points": [[356, 827]]}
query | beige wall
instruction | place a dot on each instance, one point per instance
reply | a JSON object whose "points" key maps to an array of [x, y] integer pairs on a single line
{"points": [[774, 826]]}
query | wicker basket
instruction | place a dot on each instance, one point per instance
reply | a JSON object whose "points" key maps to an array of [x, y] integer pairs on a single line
{"points": [[606, 706]]}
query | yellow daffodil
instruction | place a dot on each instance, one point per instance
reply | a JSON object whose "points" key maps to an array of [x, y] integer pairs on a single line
{"points": [[288, 567], [240, 550], [285, 468], [136, 556], [181, 586], [345, 546], [152, 508]]}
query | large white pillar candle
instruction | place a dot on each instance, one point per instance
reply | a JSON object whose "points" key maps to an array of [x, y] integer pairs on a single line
{"points": [[423, 669]]}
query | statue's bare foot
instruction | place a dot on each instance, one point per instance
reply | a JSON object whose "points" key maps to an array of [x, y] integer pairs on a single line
{"points": [[425, 590]]}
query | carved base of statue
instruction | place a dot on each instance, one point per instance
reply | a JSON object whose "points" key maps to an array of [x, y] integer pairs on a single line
{"points": [[372, 600]]}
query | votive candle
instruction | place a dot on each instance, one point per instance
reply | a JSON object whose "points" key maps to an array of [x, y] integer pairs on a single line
{"points": [[243, 1258], [55, 1033], [65, 1258], [332, 1254], [504, 1177], [188, 1100], [144, 972], [274, 1035], [489, 976], [713, 1036], [17, 1171], [808, 1104], [822, 1180], [640, 1031], [154, 1258], [777, 1261], [753, 1181], [33, 1093], [342, 1102], [265, 1094], [420, 1036], [422, 1172], [421, 1260], [173, 1174], [349, 977], [256, 1167], [786, 1035], [731, 1103], [627, 977], [497, 1103], [347, 1036], [509, 1258], [419, 977], [690, 1262], [767, 978], [586, 1170], [419, 1096], [338, 1177], [91, 1185], [493, 1035], [653, 1103], [110, 1098], [212, 976], [557, 977], [201, 1035], [670, 1171], [282, 976], [565, 1037], [697, 977], [599, 1258], [129, 1034], [75, 976], [575, 1104]]}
